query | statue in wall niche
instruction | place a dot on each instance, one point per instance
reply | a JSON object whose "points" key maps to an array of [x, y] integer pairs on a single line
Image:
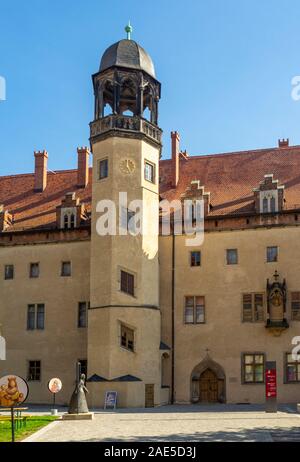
{"points": [[78, 403]]}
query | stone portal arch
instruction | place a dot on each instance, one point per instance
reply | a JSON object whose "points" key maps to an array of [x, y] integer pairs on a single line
{"points": [[208, 382]]}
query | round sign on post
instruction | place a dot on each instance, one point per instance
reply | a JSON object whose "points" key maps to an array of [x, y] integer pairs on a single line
{"points": [[13, 391], [54, 386]]}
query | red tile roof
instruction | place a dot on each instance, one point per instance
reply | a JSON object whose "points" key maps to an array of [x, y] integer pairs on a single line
{"points": [[32, 209], [230, 178]]}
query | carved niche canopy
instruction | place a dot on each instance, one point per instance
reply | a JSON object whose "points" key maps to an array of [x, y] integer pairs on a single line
{"points": [[276, 304]]}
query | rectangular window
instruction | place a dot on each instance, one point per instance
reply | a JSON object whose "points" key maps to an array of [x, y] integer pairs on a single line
{"points": [[127, 338], [253, 366], [149, 172], [34, 371], [83, 366], [8, 272], [103, 169], [82, 314], [253, 307], [128, 220], [232, 256], [292, 369], [40, 317], [34, 270], [31, 317], [66, 269], [272, 254], [36, 317], [194, 310], [295, 302], [195, 259], [127, 283]]}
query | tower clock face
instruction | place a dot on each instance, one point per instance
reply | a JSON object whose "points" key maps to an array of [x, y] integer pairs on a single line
{"points": [[127, 166]]}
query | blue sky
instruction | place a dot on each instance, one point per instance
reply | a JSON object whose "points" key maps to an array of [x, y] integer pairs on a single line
{"points": [[225, 67]]}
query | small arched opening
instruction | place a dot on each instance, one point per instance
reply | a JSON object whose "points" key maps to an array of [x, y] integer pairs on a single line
{"points": [[208, 383]]}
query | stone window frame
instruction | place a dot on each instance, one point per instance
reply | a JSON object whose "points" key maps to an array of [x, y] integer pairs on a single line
{"points": [[253, 295], [227, 263], [87, 304], [10, 266], [243, 368], [64, 262], [31, 265], [68, 218], [297, 300], [29, 379], [35, 312], [194, 323], [285, 365], [153, 170], [268, 248], [135, 285], [191, 258], [98, 173], [130, 328]]}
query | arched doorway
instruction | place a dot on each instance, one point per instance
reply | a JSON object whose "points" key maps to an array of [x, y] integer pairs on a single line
{"points": [[208, 383], [208, 387]]}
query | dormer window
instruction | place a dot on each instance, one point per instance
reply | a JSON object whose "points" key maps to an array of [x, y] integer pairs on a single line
{"points": [[269, 196], [70, 213], [68, 219]]}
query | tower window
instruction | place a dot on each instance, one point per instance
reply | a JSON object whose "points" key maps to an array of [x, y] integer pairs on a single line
{"points": [[34, 270], [103, 169], [232, 256], [272, 254], [127, 283], [127, 338], [66, 269], [149, 172]]}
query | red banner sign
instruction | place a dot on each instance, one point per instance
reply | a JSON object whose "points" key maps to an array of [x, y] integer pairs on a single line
{"points": [[271, 383]]}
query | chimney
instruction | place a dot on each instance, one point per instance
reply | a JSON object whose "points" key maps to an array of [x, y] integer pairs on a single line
{"points": [[40, 175], [175, 137], [283, 143], [83, 167]]}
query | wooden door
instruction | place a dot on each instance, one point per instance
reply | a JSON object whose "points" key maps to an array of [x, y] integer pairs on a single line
{"points": [[208, 387], [149, 395]]}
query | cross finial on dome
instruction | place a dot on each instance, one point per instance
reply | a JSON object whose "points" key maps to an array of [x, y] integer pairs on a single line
{"points": [[128, 30]]}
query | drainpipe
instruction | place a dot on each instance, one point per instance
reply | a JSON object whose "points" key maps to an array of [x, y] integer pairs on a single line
{"points": [[173, 319]]}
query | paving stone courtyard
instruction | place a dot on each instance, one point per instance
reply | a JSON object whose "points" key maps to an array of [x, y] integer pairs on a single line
{"points": [[178, 424]]}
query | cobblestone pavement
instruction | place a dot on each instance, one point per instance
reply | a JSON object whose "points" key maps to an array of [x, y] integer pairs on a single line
{"points": [[179, 423]]}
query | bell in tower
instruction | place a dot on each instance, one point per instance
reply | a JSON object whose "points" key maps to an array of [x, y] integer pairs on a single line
{"points": [[125, 91]]}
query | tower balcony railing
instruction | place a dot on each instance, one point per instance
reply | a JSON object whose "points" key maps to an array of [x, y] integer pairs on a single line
{"points": [[127, 124]]}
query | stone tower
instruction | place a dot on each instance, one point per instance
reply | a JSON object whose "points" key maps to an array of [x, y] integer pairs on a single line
{"points": [[124, 318]]}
